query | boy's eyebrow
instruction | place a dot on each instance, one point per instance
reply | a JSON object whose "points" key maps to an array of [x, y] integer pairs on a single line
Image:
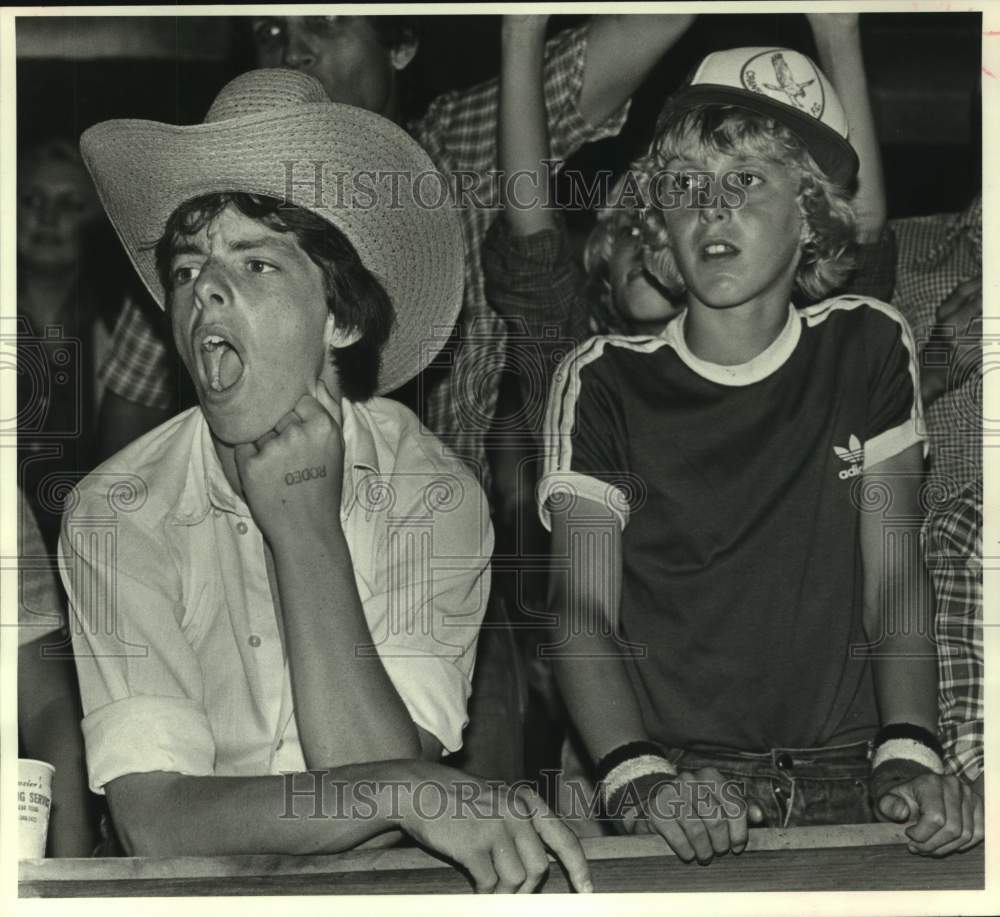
{"points": [[186, 247], [242, 245]]}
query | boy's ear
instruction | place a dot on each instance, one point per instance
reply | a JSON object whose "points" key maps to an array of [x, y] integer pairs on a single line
{"points": [[403, 53], [334, 336]]}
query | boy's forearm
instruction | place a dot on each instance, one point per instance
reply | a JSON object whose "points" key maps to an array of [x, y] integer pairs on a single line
{"points": [[904, 658], [524, 135], [589, 658], [346, 707], [899, 596], [906, 680], [323, 811], [598, 695]]}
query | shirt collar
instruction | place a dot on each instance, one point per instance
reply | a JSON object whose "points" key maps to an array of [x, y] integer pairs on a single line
{"points": [[768, 361], [206, 487]]}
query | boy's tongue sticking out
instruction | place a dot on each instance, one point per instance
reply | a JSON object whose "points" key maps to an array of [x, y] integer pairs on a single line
{"points": [[223, 365]]}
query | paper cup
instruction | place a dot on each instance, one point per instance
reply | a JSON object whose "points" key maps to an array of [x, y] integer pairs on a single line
{"points": [[34, 800]]}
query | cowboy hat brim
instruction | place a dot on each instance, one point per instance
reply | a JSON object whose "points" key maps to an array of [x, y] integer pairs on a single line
{"points": [[353, 168]]}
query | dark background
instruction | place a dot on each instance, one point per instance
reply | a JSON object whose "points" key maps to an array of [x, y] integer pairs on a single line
{"points": [[924, 73]]}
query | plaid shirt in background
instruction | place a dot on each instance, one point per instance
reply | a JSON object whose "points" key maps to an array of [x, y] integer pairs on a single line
{"points": [[953, 550], [459, 132], [142, 364], [934, 255]]}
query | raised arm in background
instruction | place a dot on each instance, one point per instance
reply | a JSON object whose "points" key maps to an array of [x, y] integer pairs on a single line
{"points": [[838, 43], [523, 145], [621, 51]]}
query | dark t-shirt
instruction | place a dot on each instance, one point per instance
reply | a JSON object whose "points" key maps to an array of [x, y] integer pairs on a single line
{"points": [[738, 488]]}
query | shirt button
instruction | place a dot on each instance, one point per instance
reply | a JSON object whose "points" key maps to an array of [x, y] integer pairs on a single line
{"points": [[784, 761], [241, 527], [254, 641], [216, 513]]}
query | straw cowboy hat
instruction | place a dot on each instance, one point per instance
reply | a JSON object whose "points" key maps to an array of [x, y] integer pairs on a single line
{"points": [[275, 132]]}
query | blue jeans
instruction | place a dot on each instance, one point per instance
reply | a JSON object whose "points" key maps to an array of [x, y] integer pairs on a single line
{"points": [[795, 787]]}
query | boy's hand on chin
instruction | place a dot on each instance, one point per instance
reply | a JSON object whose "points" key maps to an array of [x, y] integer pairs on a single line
{"points": [[292, 476]]}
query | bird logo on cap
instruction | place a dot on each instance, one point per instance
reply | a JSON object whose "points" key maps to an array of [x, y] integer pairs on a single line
{"points": [[786, 82], [794, 91]]}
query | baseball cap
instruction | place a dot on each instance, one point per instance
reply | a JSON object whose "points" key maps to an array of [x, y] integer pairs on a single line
{"points": [[782, 84]]}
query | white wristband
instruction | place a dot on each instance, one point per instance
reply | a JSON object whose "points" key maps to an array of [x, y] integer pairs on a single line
{"points": [[907, 750], [633, 769]]}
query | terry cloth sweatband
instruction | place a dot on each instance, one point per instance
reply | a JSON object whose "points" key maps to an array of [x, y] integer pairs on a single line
{"points": [[903, 751], [908, 742], [629, 774]]}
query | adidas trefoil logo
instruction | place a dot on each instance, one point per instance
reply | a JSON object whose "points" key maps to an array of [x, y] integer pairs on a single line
{"points": [[852, 456]]}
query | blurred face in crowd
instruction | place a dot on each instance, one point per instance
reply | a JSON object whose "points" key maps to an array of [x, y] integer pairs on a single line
{"points": [[343, 52], [636, 292], [56, 203]]}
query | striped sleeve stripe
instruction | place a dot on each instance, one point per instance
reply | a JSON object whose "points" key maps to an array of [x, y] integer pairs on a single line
{"points": [[892, 442], [572, 484], [560, 415], [889, 442]]}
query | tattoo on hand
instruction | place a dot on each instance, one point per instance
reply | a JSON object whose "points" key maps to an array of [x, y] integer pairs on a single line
{"points": [[306, 474]]}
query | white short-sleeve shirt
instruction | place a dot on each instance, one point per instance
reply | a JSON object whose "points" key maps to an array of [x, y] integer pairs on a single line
{"points": [[174, 629]]}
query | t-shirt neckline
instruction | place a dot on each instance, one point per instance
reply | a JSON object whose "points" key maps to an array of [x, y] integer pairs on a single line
{"points": [[768, 361]]}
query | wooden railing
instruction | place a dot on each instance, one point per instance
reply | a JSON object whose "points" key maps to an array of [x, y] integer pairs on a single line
{"points": [[843, 858]]}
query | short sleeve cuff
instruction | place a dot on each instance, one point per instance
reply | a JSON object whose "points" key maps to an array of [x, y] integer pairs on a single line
{"points": [[891, 443], [562, 487], [138, 735], [434, 690]]}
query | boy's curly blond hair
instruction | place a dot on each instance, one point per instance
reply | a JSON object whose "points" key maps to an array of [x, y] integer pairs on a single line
{"points": [[828, 251]]}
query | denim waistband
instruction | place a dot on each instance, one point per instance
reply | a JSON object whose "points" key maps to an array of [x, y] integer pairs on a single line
{"points": [[852, 752]]}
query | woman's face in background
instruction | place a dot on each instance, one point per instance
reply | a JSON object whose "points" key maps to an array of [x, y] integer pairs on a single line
{"points": [[56, 203]]}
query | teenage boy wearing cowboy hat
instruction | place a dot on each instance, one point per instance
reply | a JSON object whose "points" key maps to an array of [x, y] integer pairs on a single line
{"points": [[304, 570], [590, 73]]}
